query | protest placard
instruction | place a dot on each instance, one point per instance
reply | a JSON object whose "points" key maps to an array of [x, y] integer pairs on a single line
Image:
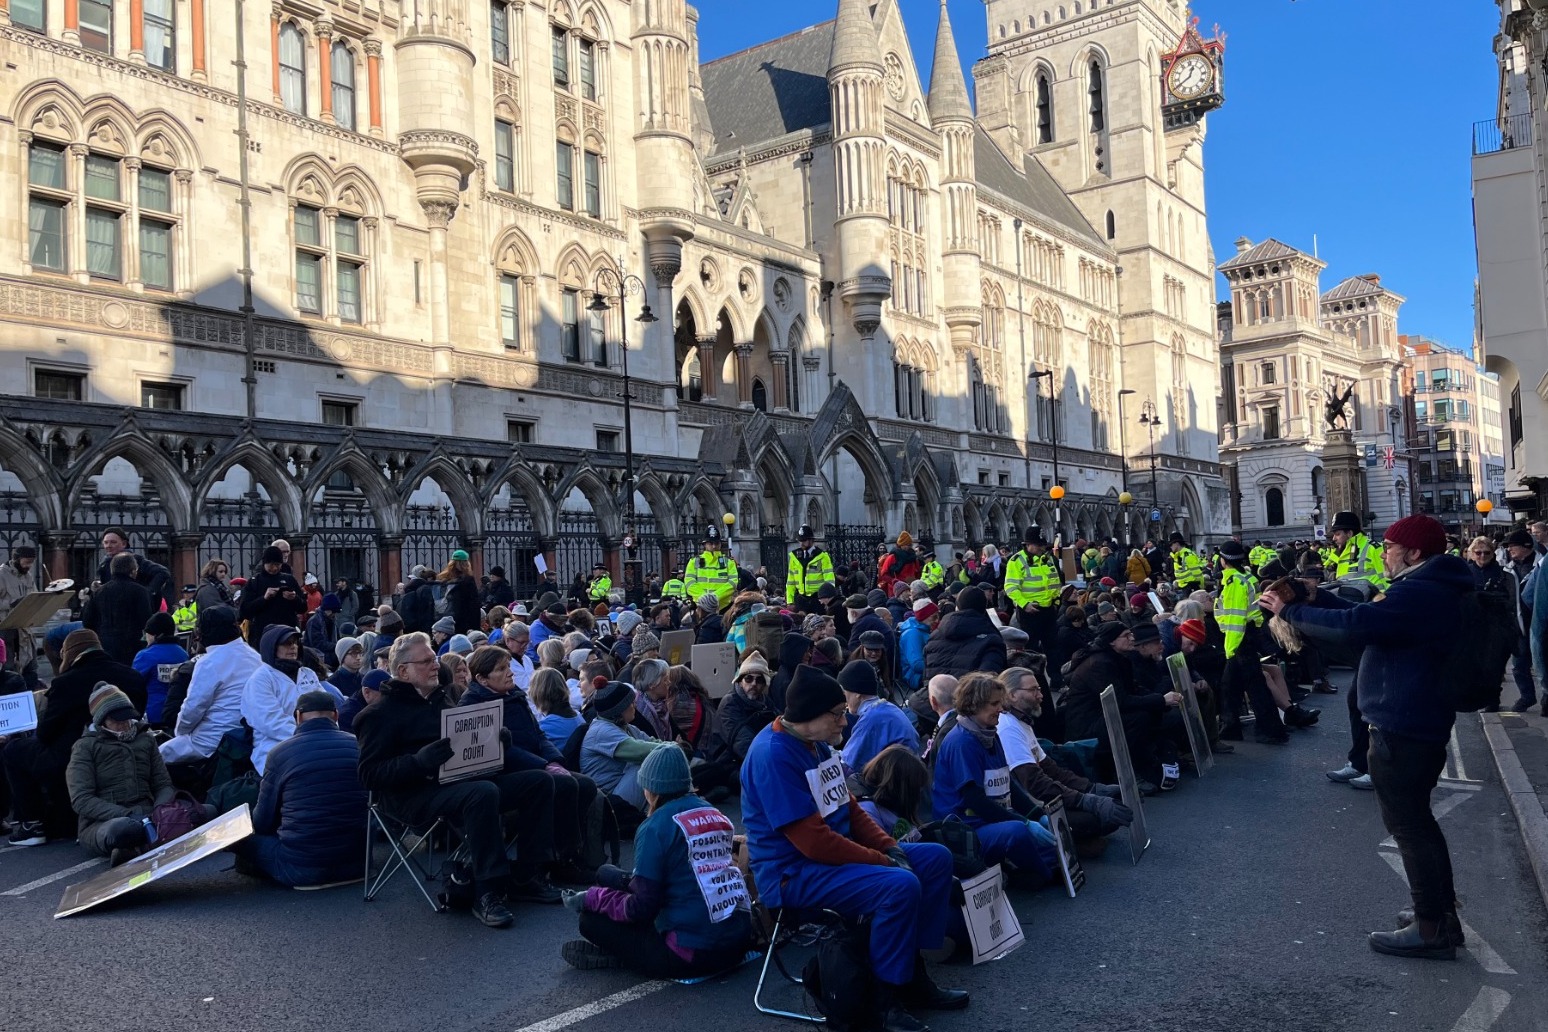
{"points": [[1193, 718], [474, 733], [18, 713], [1069, 860], [1139, 836], [715, 665], [992, 924], [676, 647]]}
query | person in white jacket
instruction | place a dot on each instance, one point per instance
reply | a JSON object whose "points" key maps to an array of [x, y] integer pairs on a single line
{"points": [[273, 689], [214, 703]]}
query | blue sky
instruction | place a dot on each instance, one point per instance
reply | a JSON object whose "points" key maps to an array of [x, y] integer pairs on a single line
{"points": [[1347, 120]]}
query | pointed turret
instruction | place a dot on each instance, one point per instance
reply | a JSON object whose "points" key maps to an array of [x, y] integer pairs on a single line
{"points": [[854, 39], [948, 89], [856, 99]]}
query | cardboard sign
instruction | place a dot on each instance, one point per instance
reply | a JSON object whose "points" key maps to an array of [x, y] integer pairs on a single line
{"points": [[715, 667], [1193, 718], [1139, 837], [828, 786], [707, 833], [993, 927], [1069, 860], [207, 839], [474, 732], [34, 610], [540, 561], [1155, 602], [18, 713], [676, 647]]}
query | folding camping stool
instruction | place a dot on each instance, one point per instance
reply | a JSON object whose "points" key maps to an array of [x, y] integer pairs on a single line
{"points": [[413, 850], [792, 927]]}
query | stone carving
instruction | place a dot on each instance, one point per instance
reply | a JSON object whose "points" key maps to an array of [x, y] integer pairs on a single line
{"points": [[892, 75], [782, 294], [1337, 409], [438, 213]]}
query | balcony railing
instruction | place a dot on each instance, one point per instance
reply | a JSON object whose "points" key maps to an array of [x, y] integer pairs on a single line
{"points": [[1502, 134]]}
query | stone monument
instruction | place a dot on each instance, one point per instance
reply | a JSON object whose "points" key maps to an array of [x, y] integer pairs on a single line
{"points": [[1344, 470]]}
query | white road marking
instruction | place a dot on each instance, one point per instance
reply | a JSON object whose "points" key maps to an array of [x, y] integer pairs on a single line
{"points": [[1440, 809], [576, 1015], [1485, 1010], [22, 890], [1452, 784], [1482, 952]]}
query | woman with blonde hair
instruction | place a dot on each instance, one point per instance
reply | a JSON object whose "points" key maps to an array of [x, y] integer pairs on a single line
{"points": [[460, 590]]}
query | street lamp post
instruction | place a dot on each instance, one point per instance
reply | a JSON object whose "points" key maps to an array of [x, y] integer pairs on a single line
{"points": [[1123, 438], [613, 283], [1151, 421], [1053, 425]]}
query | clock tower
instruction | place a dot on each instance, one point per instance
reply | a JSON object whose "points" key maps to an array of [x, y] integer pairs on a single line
{"points": [[1111, 96]]}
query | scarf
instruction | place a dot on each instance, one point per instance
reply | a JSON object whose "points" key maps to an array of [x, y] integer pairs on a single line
{"points": [[985, 736], [656, 715]]}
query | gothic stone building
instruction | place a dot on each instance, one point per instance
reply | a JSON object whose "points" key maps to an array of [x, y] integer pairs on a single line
{"points": [[347, 296]]}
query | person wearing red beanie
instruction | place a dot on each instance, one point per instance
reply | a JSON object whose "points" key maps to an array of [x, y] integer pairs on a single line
{"points": [[1406, 634]]}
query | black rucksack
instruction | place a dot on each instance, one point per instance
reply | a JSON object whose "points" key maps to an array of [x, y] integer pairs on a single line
{"points": [[839, 978], [1486, 637], [458, 891]]}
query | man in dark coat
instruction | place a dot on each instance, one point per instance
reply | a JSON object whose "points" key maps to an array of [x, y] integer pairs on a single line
{"points": [[498, 592], [417, 606], [119, 610], [1150, 718], [153, 577], [306, 826], [747, 710], [966, 641], [272, 597], [35, 764]]}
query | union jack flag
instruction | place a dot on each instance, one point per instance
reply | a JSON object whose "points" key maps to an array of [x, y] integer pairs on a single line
{"points": [[1389, 456]]}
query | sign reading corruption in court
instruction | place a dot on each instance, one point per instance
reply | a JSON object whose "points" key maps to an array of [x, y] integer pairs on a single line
{"points": [[474, 733]]}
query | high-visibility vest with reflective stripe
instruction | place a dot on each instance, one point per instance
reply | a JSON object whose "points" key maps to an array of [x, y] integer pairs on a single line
{"points": [[713, 572], [807, 576], [1235, 609], [600, 588], [933, 575], [1261, 556], [1188, 568], [1360, 560], [674, 588], [1031, 578], [185, 618]]}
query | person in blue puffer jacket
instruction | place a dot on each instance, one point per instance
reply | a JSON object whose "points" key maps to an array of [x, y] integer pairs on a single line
{"points": [[311, 807], [157, 662]]}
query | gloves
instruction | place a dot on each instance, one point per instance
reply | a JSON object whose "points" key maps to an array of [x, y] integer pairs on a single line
{"points": [[431, 757], [1107, 791], [505, 737], [557, 769], [1110, 812], [897, 856], [573, 900]]}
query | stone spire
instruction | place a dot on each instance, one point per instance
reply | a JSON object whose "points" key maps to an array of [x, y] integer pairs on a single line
{"points": [[854, 39], [948, 90]]}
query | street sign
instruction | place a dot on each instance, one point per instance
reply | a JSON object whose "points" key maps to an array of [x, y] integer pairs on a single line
{"points": [[1155, 515]]}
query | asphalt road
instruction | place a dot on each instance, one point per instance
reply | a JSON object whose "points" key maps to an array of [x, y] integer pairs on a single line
{"points": [[1249, 911]]}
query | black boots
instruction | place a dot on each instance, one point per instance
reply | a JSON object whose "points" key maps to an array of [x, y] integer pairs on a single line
{"points": [[923, 994], [491, 910], [1405, 917], [1299, 716]]}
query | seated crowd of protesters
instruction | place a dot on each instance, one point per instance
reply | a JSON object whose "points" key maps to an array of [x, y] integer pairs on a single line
{"points": [[857, 714]]}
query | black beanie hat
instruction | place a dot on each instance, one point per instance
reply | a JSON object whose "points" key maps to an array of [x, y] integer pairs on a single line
{"points": [[272, 555], [613, 699], [859, 677], [973, 598], [218, 626], [160, 625], [811, 694]]}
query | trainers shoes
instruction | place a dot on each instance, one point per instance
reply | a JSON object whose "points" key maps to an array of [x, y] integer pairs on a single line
{"points": [[1170, 772], [28, 833], [587, 956], [1363, 781], [1344, 774], [491, 910]]}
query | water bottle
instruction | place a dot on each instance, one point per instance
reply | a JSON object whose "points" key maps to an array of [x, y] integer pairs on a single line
{"points": [[150, 830]]}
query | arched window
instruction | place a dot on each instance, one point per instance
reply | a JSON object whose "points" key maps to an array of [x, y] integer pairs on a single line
{"points": [[343, 72], [1045, 123], [292, 62], [1274, 507], [760, 395], [1112, 226], [1095, 94]]}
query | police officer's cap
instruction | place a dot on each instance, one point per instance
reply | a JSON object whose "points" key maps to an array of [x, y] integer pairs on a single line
{"points": [[1346, 520], [806, 533], [1033, 536], [711, 533], [1228, 549], [1178, 539]]}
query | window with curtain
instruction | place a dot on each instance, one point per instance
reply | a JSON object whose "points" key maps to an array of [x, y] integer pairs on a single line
{"points": [[598, 338], [592, 163], [564, 161], [500, 32], [104, 243], [46, 233], [510, 311], [586, 52], [348, 265], [156, 228], [160, 45], [309, 259], [292, 61], [29, 14], [342, 68], [569, 327], [505, 156], [96, 25]]}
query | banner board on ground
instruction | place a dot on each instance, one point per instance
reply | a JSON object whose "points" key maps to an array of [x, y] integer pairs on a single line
{"points": [[1139, 836]]}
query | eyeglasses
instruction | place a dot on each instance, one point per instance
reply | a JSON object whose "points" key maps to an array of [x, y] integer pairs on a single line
{"points": [[754, 678], [838, 712], [418, 662]]}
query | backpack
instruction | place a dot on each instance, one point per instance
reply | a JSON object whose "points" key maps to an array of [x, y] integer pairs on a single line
{"points": [[1486, 634], [442, 602], [458, 891], [765, 632], [958, 837], [233, 755], [839, 978], [176, 818]]}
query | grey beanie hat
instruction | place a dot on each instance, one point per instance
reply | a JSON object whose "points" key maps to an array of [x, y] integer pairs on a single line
{"points": [[445, 625], [665, 772]]}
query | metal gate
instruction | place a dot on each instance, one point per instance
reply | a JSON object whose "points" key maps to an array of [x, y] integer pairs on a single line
{"points": [[345, 541], [430, 535], [236, 531], [142, 516], [774, 555], [848, 542], [19, 526], [511, 543], [577, 547]]}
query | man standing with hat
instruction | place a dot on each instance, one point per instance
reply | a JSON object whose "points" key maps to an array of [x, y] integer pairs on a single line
{"points": [[1407, 633], [1032, 583], [933, 574], [1187, 567], [712, 571], [1520, 557], [186, 616], [17, 580], [1356, 559], [810, 568], [601, 584], [812, 846]]}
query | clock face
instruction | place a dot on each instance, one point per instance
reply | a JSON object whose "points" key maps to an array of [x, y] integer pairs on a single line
{"points": [[1191, 76]]}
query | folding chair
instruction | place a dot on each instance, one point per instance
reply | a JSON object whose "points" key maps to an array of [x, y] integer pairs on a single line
{"points": [[792, 927], [417, 857]]}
